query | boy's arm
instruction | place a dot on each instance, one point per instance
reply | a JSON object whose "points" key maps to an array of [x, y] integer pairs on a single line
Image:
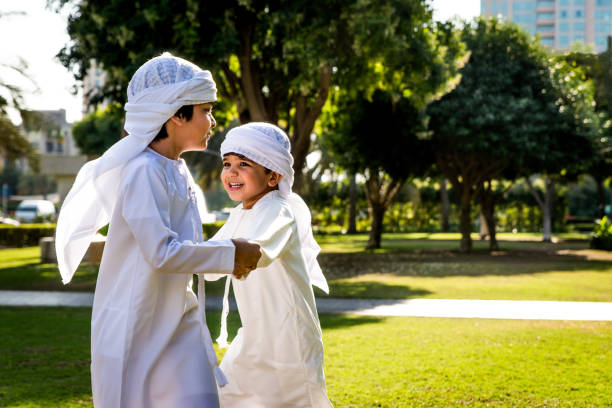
{"points": [[146, 210], [273, 231]]}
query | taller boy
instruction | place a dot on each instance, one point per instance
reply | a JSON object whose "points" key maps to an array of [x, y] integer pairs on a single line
{"points": [[149, 347]]}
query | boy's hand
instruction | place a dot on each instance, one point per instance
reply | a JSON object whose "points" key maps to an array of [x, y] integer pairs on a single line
{"points": [[246, 257]]}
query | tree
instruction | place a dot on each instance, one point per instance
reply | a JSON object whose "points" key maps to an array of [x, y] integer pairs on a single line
{"points": [[13, 144], [276, 60], [98, 131], [508, 115], [378, 137]]}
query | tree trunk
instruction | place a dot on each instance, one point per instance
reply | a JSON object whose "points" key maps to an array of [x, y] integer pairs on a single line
{"points": [[466, 220], [445, 204], [548, 208], [602, 197], [377, 214], [306, 116], [380, 191], [545, 203], [487, 211], [352, 214]]}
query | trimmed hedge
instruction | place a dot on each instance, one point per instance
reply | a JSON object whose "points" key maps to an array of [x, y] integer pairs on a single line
{"points": [[30, 234], [24, 235]]}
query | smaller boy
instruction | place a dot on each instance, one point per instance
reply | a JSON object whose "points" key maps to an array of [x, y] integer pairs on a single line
{"points": [[276, 359]]}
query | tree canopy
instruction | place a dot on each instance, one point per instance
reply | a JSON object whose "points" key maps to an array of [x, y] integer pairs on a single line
{"points": [[276, 60], [511, 113]]}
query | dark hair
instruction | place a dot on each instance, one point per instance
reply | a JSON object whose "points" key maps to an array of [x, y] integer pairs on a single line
{"points": [[185, 111]]}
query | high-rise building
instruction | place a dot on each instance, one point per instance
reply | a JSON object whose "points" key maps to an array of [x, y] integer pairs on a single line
{"points": [[559, 23]]}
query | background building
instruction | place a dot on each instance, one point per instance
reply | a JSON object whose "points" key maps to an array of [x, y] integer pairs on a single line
{"points": [[50, 133], [560, 23]]}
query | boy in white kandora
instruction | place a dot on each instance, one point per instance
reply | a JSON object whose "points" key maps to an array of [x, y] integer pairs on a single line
{"points": [[276, 359], [150, 346]]}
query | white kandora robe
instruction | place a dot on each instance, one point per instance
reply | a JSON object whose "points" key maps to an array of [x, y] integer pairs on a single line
{"points": [[148, 344], [276, 359]]}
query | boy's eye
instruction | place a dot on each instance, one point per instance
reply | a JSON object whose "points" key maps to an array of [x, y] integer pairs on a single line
{"points": [[244, 164], [226, 164]]}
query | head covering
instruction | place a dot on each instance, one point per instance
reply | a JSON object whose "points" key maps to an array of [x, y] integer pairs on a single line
{"points": [[269, 146], [158, 89]]}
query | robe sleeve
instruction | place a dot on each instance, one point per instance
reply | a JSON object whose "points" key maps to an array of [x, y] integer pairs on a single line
{"points": [[273, 230], [146, 210]]}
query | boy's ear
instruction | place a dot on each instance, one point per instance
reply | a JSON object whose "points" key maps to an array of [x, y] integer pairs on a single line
{"points": [[274, 179], [175, 120]]}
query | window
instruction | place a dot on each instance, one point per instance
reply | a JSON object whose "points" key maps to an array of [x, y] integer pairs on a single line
{"points": [[578, 14], [603, 15], [578, 2], [550, 41], [578, 37], [525, 19], [563, 14], [564, 41], [546, 28], [603, 28], [564, 2], [603, 3], [546, 3], [601, 41], [524, 6], [546, 16], [564, 27], [578, 27]]}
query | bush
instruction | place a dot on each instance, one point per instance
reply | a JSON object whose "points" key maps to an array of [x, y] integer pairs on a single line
{"points": [[211, 229], [601, 238], [24, 235]]}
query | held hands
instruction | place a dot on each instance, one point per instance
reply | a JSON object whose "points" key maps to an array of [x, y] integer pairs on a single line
{"points": [[246, 257]]}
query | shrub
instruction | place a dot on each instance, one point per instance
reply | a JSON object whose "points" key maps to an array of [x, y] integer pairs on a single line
{"points": [[24, 235], [601, 238]]}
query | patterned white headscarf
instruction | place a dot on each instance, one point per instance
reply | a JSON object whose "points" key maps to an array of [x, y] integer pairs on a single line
{"points": [[269, 146], [158, 89]]}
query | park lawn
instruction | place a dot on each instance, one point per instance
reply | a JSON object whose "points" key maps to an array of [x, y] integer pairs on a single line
{"points": [[369, 361], [20, 269], [521, 270]]}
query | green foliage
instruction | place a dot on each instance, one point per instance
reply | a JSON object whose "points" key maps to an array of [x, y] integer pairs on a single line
{"points": [[98, 131], [24, 235], [601, 237], [276, 62], [211, 229]]}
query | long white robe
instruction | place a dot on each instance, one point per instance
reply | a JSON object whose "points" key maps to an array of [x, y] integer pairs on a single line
{"points": [[148, 347], [276, 359]]}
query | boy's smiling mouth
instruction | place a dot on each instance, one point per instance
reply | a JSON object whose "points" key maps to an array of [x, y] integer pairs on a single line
{"points": [[235, 185]]}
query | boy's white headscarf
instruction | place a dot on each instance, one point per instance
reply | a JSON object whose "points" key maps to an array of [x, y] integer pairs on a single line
{"points": [[269, 146], [158, 89]]}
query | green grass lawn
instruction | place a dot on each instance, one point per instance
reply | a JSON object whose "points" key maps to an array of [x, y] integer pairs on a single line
{"points": [[408, 266], [370, 362]]}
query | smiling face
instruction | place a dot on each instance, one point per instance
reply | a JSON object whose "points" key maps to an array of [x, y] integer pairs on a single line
{"points": [[245, 180]]}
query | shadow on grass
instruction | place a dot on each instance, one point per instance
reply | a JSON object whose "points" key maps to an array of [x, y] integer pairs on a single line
{"points": [[369, 289], [330, 321], [46, 276], [445, 263]]}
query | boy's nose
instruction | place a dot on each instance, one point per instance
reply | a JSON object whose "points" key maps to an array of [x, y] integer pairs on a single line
{"points": [[213, 122]]}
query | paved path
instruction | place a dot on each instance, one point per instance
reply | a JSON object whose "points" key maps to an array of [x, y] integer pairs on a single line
{"points": [[488, 309]]}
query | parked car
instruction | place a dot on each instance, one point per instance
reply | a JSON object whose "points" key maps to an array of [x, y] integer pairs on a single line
{"points": [[8, 221], [35, 211]]}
